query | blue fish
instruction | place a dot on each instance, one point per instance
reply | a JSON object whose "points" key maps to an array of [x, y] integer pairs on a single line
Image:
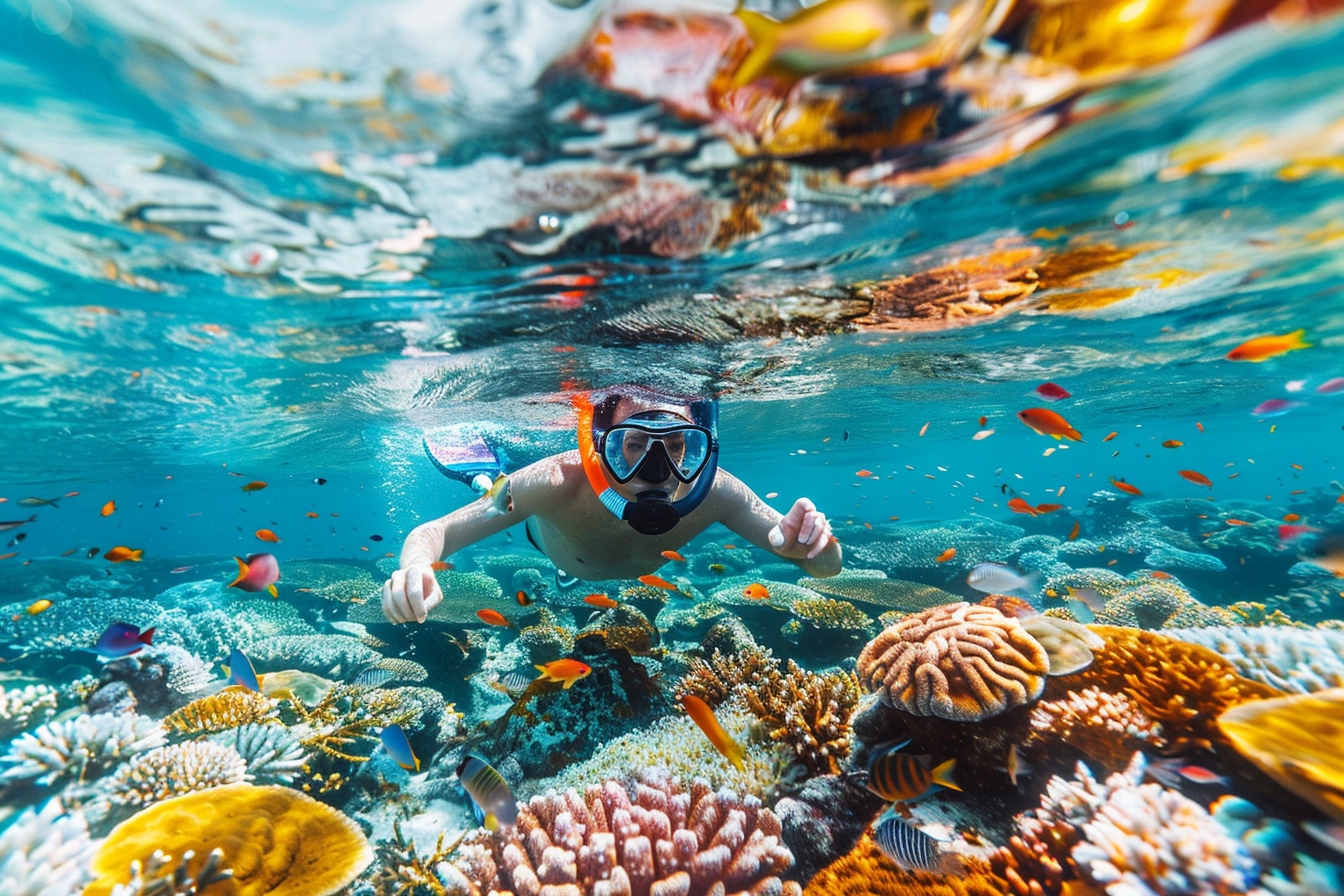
{"points": [[241, 671], [490, 795], [905, 844], [399, 748], [122, 639]]}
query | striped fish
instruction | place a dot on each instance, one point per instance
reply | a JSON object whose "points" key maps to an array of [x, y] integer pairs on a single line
{"points": [[489, 792], [515, 683], [905, 844], [373, 678], [901, 777]]}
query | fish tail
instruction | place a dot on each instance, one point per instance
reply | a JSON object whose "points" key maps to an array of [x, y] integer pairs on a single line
{"points": [[147, 636], [137, 555], [545, 675], [735, 752], [1296, 339], [275, 592], [943, 775], [242, 572], [763, 32]]}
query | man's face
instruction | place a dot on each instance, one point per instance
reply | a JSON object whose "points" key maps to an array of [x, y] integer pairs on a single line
{"points": [[636, 444]]}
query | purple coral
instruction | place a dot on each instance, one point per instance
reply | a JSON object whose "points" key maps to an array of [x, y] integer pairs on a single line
{"points": [[658, 840]]}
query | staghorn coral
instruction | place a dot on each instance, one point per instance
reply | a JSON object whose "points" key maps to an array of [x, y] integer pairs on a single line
{"points": [[272, 754], [958, 662], [866, 871], [809, 711], [45, 852], [403, 869], [277, 841], [347, 715], [176, 769], [1107, 728], [1183, 687], [1298, 741], [1122, 837], [81, 748], [724, 674], [22, 707], [1290, 659], [871, 586], [657, 838], [229, 708]]}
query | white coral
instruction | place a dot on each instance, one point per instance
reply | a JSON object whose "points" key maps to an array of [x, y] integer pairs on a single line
{"points": [[272, 754], [45, 853], [177, 769], [82, 748], [20, 707]]}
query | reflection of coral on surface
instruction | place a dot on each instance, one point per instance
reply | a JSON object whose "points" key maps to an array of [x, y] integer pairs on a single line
{"points": [[656, 838], [959, 662]]}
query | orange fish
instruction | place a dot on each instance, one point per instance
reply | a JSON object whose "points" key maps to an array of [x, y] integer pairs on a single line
{"points": [[108, 509], [730, 547], [984, 420], [1199, 426], [673, 555], [1111, 436], [313, 515], [1125, 486], [1236, 522], [657, 582], [492, 617], [703, 716], [524, 599], [268, 535], [601, 601], [1291, 517], [10, 555], [1017, 505], [1073, 533], [566, 670], [1195, 477], [1264, 347], [946, 555], [1048, 508], [1172, 443], [255, 486], [1159, 574], [120, 554], [1048, 423], [901, 777], [864, 473], [441, 565], [756, 591]]}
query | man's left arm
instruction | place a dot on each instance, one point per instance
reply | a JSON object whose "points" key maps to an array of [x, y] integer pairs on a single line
{"points": [[802, 535]]}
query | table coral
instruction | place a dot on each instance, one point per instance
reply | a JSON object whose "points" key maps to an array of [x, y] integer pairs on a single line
{"points": [[80, 748], [276, 841], [959, 662], [656, 838], [919, 546], [866, 871], [227, 709], [863, 587], [329, 655], [45, 852], [340, 582], [1298, 741], [176, 769]]}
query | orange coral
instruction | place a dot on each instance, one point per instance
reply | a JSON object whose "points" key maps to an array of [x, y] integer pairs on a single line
{"points": [[230, 708], [275, 840], [865, 871]]}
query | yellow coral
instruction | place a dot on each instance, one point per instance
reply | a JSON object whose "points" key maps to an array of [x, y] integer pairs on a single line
{"points": [[865, 871], [276, 841], [230, 708], [830, 613]]}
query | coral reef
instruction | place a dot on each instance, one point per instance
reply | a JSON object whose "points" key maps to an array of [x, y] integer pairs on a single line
{"points": [[327, 655], [22, 707], [81, 748], [824, 819], [45, 852], [657, 838], [831, 614], [1107, 728], [163, 875], [165, 772], [276, 841], [159, 677], [272, 754], [1290, 659], [918, 547], [865, 871], [403, 869], [871, 586], [340, 582], [1156, 604], [725, 673], [227, 709], [959, 662]]}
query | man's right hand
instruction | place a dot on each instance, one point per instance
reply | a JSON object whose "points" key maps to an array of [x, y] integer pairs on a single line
{"points": [[410, 594]]}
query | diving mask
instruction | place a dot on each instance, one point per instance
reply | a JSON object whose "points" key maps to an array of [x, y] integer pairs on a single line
{"points": [[654, 446]]}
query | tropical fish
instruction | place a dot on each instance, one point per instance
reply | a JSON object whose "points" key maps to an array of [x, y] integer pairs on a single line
{"points": [[1159, 574], [1052, 391], [1327, 833], [1014, 766], [1235, 522], [373, 678], [500, 494], [1048, 423], [1125, 486], [720, 569], [756, 591], [489, 792], [39, 606], [946, 555], [983, 420], [1172, 443], [120, 554], [524, 599], [1274, 407], [515, 683], [1172, 771], [1291, 517], [1328, 553], [999, 578], [1262, 348], [1195, 477], [864, 474], [1331, 386], [492, 617], [907, 845], [566, 670], [1048, 508], [1111, 436], [259, 572], [91, 553], [122, 639], [703, 717], [178, 570], [108, 509], [40, 502], [312, 515], [902, 777], [657, 582], [1289, 534], [601, 601], [16, 539], [14, 524], [441, 565], [1017, 505], [1073, 533], [254, 486], [398, 746], [268, 535], [832, 34], [9, 556], [241, 672], [673, 555], [982, 434]]}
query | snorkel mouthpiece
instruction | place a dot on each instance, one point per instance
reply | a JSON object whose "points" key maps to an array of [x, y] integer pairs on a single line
{"points": [[652, 513]]}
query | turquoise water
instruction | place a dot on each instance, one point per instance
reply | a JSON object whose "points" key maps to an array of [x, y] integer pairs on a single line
{"points": [[213, 271]]}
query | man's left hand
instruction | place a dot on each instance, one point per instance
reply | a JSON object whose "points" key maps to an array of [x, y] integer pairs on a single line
{"points": [[803, 525]]}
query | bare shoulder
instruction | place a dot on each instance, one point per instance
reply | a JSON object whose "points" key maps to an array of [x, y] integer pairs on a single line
{"points": [[729, 496], [552, 479]]}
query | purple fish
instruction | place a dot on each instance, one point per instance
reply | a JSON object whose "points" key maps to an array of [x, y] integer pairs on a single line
{"points": [[122, 639], [1275, 407], [1330, 387], [259, 572]]}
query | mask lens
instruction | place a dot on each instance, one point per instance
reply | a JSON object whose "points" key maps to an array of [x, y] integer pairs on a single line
{"points": [[625, 447]]}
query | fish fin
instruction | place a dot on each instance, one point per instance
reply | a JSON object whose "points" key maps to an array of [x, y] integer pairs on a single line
{"points": [[735, 754], [275, 593], [882, 749], [545, 675], [1056, 436], [259, 678], [569, 682], [763, 32], [1296, 336], [242, 572], [147, 636], [138, 555], [943, 775]]}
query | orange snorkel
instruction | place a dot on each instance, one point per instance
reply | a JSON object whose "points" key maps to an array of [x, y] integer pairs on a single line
{"points": [[587, 450]]}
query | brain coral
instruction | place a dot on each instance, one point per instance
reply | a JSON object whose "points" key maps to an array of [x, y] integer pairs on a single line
{"points": [[959, 662], [276, 841], [658, 838]]}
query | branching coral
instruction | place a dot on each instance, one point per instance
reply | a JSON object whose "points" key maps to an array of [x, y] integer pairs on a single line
{"points": [[276, 841], [227, 709], [80, 748], [22, 707], [174, 770], [830, 614], [659, 838], [723, 674], [403, 869], [958, 662], [348, 715], [1107, 728], [162, 875], [45, 852], [272, 754]]}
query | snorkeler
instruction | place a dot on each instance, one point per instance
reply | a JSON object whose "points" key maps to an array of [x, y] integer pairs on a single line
{"points": [[645, 480]]}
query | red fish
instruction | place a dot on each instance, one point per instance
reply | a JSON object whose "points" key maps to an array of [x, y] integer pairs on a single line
{"points": [[524, 599], [311, 515], [1125, 486], [1159, 574], [703, 717], [601, 601], [441, 566], [566, 670], [1289, 534], [255, 486], [259, 572], [1111, 436], [1052, 392], [673, 555], [1017, 505], [865, 474], [946, 555], [1172, 443], [1232, 522], [1048, 423], [1073, 533], [120, 554], [1048, 508], [492, 617], [756, 591], [1196, 477], [657, 582], [108, 509], [1262, 348], [268, 535]]}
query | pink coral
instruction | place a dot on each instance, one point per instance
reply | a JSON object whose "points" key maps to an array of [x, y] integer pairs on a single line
{"points": [[658, 840]]}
